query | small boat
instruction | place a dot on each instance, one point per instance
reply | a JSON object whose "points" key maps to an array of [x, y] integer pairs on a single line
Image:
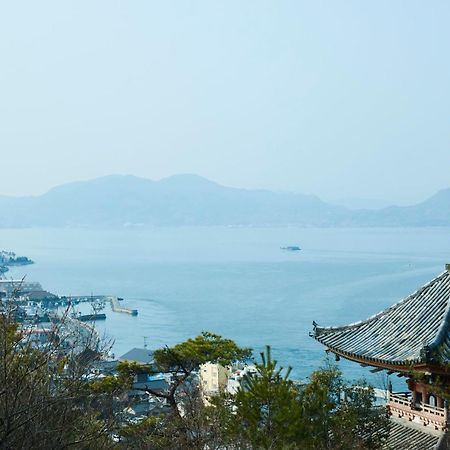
{"points": [[291, 248], [91, 317]]}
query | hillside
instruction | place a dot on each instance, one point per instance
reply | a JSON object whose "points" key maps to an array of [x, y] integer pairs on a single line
{"points": [[192, 200], [434, 211], [178, 200]]}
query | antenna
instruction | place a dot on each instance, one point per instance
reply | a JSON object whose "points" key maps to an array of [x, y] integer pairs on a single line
{"points": [[145, 341]]}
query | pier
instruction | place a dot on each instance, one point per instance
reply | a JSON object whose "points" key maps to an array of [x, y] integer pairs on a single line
{"points": [[114, 301], [116, 307]]}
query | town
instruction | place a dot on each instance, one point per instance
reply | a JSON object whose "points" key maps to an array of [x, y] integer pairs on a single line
{"points": [[45, 318], [161, 382]]}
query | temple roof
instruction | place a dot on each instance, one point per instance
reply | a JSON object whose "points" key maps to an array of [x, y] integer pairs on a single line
{"points": [[414, 331], [402, 436]]}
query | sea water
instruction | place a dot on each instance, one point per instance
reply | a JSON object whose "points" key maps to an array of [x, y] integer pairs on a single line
{"points": [[234, 281]]}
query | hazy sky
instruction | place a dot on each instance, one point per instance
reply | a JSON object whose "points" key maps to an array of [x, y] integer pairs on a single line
{"points": [[337, 98]]}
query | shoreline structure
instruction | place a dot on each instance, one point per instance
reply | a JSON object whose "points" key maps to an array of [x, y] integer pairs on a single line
{"points": [[116, 307], [112, 299]]}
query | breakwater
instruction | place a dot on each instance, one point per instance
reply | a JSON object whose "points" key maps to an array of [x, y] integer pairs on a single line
{"points": [[116, 307], [113, 300]]}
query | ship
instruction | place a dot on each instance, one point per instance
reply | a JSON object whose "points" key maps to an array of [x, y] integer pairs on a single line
{"points": [[291, 248]]}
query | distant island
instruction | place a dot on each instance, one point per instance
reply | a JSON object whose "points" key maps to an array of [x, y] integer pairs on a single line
{"points": [[8, 259], [190, 200]]}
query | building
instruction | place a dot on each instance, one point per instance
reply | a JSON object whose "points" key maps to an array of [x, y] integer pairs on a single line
{"points": [[138, 355], [213, 379], [38, 337], [10, 286], [237, 377], [412, 340]]}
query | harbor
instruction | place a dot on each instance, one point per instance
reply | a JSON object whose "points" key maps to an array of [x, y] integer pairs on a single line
{"points": [[40, 312], [98, 303]]}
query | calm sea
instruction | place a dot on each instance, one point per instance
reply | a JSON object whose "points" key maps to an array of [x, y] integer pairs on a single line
{"points": [[235, 281]]}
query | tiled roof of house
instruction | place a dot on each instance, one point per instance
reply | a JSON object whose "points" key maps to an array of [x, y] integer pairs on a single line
{"points": [[415, 330], [404, 437]]}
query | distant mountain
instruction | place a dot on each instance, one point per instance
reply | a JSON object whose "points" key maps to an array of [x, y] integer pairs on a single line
{"points": [[434, 211], [192, 200], [178, 200], [361, 203]]}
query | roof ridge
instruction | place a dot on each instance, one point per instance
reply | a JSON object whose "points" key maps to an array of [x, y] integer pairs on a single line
{"points": [[392, 307]]}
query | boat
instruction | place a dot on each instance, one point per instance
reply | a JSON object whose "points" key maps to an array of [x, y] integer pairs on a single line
{"points": [[291, 248], [91, 317]]}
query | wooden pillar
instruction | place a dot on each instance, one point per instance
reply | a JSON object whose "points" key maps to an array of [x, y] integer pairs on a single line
{"points": [[425, 394], [413, 399], [439, 402]]}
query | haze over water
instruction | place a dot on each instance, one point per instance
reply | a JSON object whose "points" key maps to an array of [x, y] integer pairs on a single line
{"points": [[235, 281]]}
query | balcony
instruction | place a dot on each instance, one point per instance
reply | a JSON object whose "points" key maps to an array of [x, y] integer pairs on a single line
{"points": [[401, 405]]}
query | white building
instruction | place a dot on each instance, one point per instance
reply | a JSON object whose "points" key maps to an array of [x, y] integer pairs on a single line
{"points": [[213, 379]]}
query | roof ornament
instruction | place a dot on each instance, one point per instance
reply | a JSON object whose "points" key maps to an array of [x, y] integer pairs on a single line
{"points": [[313, 333], [426, 353]]}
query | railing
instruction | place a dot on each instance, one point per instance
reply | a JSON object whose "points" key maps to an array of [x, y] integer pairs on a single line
{"points": [[400, 405], [433, 410], [400, 398]]}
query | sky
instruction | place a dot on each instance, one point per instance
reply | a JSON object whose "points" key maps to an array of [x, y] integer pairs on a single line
{"points": [[338, 98]]}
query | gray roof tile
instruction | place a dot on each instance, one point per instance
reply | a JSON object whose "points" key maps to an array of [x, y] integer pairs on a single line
{"points": [[415, 330], [139, 355], [403, 437]]}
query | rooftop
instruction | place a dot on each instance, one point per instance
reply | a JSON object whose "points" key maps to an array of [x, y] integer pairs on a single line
{"points": [[404, 436], [414, 331], [139, 355]]}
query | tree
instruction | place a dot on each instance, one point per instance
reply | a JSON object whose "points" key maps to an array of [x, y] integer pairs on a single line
{"points": [[199, 427], [46, 400], [337, 415], [183, 359], [269, 411], [190, 425], [267, 407]]}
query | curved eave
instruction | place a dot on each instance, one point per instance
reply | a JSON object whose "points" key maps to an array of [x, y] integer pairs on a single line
{"points": [[412, 332], [406, 367], [363, 359], [398, 366]]}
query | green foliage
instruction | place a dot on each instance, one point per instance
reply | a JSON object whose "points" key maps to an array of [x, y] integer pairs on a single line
{"points": [[207, 347], [267, 407], [320, 399], [271, 412], [147, 434], [357, 417], [182, 360], [128, 368], [341, 416], [110, 385], [43, 404]]}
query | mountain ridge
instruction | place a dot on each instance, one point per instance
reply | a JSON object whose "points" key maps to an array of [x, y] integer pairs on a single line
{"points": [[189, 199]]}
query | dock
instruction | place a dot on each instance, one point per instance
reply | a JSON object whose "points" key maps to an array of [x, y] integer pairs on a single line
{"points": [[116, 307], [114, 301], [91, 317]]}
